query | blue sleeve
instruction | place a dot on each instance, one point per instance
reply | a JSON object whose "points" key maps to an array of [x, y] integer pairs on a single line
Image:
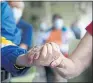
{"points": [[9, 55], [27, 31]]}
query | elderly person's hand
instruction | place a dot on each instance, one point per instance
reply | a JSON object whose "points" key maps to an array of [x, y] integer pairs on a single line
{"points": [[41, 55], [65, 67], [49, 53]]}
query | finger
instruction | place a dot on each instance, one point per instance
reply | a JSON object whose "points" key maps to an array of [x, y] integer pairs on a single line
{"points": [[44, 51], [37, 55], [54, 46], [57, 46], [57, 62], [49, 57], [34, 52], [55, 50], [30, 61], [49, 49], [31, 55]]}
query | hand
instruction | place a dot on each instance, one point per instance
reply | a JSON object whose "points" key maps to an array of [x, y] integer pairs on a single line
{"points": [[49, 53], [33, 54], [65, 67], [41, 55], [27, 59]]}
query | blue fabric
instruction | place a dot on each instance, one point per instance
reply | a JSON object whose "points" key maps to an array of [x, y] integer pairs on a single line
{"points": [[27, 31], [8, 25], [12, 52], [9, 55], [9, 66]]}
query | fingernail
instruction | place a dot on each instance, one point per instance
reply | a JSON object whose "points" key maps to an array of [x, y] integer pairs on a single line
{"points": [[35, 57], [53, 64], [31, 58]]}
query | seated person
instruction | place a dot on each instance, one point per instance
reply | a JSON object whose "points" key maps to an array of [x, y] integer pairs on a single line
{"points": [[18, 60], [26, 28]]}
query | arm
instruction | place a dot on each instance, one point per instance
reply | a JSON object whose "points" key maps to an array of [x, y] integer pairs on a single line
{"points": [[79, 60], [27, 34], [9, 54], [82, 56]]}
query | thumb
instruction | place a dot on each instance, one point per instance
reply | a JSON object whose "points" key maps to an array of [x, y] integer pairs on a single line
{"points": [[58, 62]]}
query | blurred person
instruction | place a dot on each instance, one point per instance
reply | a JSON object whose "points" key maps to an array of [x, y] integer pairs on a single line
{"points": [[10, 36], [27, 34], [17, 8], [43, 26], [75, 28], [42, 33], [58, 34], [26, 28]]}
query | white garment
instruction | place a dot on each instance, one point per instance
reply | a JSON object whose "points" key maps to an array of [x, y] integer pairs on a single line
{"points": [[17, 13]]}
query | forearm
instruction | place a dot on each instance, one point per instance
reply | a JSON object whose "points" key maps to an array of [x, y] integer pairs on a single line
{"points": [[79, 60], [82, 56]]}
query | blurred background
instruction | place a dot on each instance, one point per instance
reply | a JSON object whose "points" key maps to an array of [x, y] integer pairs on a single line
{"points": [[61, 22]]}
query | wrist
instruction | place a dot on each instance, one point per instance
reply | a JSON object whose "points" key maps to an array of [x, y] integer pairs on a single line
{"points": [[19, 67], [22, 60]]}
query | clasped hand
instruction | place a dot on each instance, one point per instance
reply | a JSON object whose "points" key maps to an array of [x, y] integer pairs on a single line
{"points": [[45, 55]]}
